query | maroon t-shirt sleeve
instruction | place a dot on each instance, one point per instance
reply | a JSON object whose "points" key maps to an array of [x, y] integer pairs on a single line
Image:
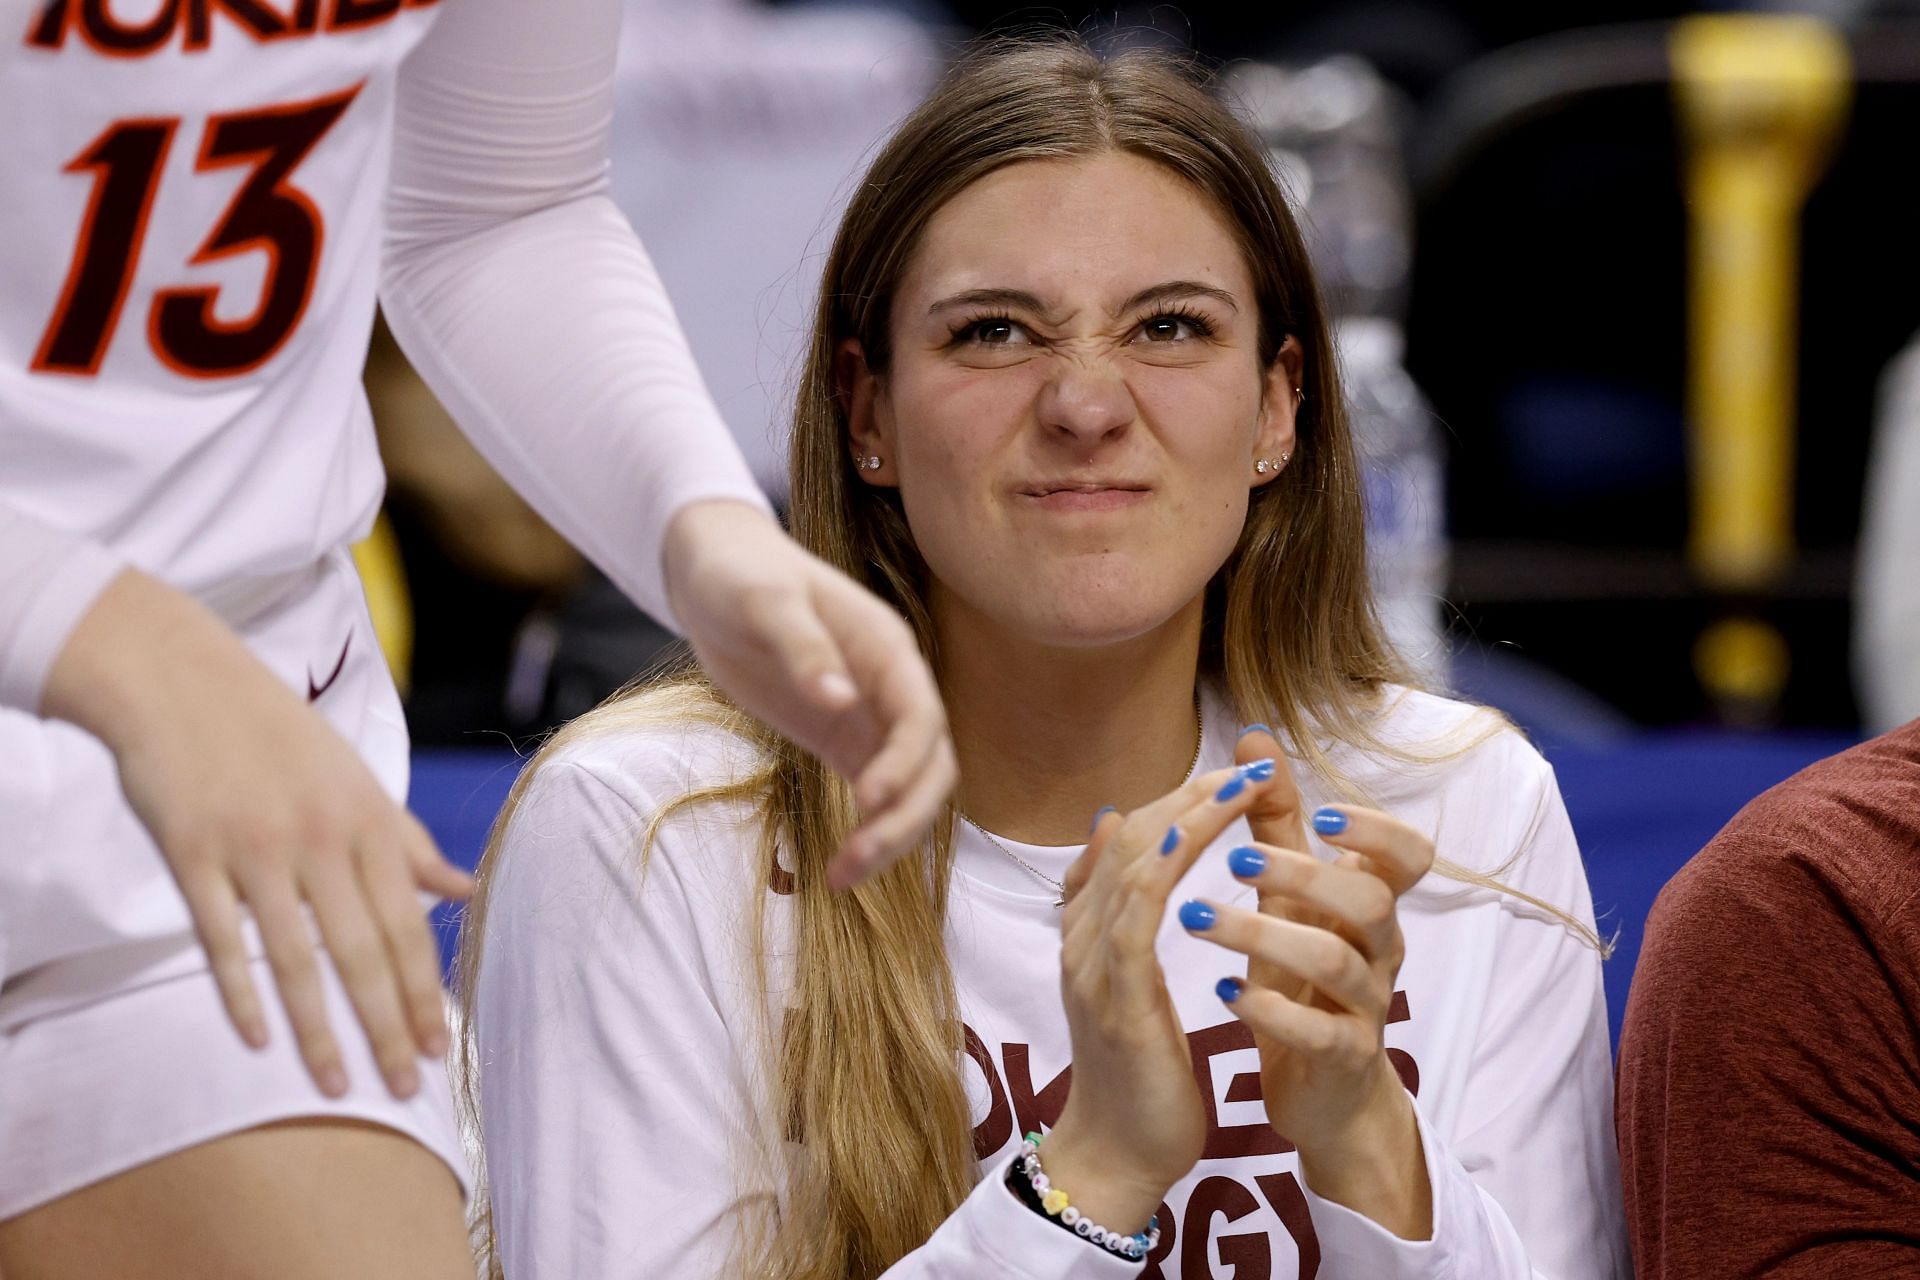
{"points": [[1769, 1083]]}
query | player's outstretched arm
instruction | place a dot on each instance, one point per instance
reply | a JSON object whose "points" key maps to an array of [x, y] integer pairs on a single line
{"points": [[808, 651], [256, 802], [525, 301]]}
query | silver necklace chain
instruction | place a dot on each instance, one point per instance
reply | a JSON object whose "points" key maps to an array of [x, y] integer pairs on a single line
{"points": [[1059, 889]]}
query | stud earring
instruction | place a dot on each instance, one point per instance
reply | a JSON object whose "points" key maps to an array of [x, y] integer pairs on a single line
{"points": [[1286, 457], [869, 462], [1264, 465]]}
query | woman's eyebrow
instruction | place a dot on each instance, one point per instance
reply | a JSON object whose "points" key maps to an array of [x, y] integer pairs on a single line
{"points": [[1175, 291], [1153, 295], [1015, 298]]}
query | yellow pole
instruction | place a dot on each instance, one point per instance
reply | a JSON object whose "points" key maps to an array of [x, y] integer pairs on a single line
{"points": [[384, 578], [1761, 99]]}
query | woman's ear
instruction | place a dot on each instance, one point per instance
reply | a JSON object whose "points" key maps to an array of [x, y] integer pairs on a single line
{"points": [[869, 425], [1274, 443]]}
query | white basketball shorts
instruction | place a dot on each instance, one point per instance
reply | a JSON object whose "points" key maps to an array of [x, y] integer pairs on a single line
{"points": [[115, 1049]]}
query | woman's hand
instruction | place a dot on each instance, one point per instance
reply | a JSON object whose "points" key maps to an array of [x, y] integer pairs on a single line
{"points": [[807, 650], [255, 801], [1133, 1123], [1323, 952]]}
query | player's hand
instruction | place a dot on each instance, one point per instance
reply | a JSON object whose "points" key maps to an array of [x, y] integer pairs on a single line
{"points": [[818, 657], [256, 802], [1323, 951], [1134, 1122]]}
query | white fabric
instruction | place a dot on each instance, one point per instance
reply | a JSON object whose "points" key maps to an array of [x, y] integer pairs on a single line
{"points": [[87, 904], [48, 581], [139, 1073], [625, 1120], [517, 290]]}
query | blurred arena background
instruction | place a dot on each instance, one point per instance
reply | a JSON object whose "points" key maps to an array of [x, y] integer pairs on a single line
{"points": [[1629, 311]]}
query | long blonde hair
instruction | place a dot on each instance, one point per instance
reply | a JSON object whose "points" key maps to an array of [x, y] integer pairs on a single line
{"points": [[1290, 636]]}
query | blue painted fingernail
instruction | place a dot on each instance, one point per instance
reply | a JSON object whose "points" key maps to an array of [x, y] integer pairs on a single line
{"points": [[1256, 728], [1329, 821], [1235, 785], [1246, 861], [1196, 915], [1105, 809], [1259, 770], [1228, 989], [1172, 841]]}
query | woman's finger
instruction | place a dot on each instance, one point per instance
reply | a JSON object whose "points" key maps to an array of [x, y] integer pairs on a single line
{"points": [[882, 838], [1353, 900], [430, 869], [912, 743], [359, 955], [1398, 853], [288, 941], [1105, 823], [888, 831], [1319, 1033], [895, 686], [810, 661], [216, 918], [1277, 817], [1324, 961], [1160, 843], [1173, 832], [388, 887]]}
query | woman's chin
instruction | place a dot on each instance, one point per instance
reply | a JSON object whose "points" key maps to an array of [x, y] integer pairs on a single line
{"points": [[1090, 622]]}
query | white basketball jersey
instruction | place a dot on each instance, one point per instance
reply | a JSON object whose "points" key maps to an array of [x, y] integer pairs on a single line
{"points": [[189, 246]]}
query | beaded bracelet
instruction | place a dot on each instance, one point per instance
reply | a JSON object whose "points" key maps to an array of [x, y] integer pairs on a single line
{"points": [[1030, 1186]]}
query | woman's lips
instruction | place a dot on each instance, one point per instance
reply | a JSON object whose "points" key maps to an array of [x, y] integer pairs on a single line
{"points": [[1087, 497]]}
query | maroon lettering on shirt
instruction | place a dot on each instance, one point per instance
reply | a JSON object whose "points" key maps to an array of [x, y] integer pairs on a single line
{"points": [[992, 1133], [104, 27], [1034, 1109], [1206, 1227]]}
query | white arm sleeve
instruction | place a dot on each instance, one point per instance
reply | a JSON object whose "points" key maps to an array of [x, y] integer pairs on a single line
{"points": [[617, 1063], [523, 297], [48, 580], [1528, 1185]]}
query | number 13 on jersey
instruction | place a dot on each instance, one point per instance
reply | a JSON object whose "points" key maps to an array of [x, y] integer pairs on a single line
{"points": [[268, 214]]}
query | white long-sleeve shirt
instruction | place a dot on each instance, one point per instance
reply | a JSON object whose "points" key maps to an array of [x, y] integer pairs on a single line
{"points": [[621, 1031], [191, 245]]}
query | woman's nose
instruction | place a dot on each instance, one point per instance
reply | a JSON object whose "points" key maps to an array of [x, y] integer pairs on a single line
{"points": [[1087, 399]]}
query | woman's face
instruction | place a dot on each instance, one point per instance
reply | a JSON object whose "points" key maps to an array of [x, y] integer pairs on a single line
{"points": [[1076, 400]]}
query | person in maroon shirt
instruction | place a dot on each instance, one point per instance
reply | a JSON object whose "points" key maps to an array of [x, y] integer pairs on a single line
{"points": [[1768, 1104]]}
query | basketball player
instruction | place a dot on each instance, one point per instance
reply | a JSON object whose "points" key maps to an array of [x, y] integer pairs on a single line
{"points": [[201, 755]]}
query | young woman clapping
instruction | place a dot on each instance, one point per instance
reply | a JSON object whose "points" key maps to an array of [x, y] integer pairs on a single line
{"points": [[1316, 999]]}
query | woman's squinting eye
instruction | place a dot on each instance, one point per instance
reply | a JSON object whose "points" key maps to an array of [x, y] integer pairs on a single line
{"points": [[991, 331], [1175, 326]]}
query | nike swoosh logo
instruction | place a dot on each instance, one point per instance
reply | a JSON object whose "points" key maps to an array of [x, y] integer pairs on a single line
{"points": [[315, 690]]}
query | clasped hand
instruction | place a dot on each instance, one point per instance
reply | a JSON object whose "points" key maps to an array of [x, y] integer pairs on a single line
{"points": [[1322, 951]]}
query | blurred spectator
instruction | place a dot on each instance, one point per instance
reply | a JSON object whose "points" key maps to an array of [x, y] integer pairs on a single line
{"points": [[737, 132], [1887, 592], [1333, 131], [1769, 1087], [1414, 43]]}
